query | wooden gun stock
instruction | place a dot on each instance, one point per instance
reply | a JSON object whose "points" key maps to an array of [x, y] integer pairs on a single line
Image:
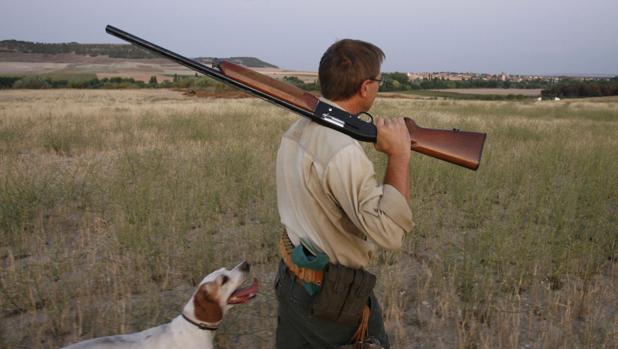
{"points": [[454, 146], [273, 87]]}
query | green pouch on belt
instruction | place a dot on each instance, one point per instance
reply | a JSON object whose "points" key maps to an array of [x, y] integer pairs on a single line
{"points": [[302, 257]]}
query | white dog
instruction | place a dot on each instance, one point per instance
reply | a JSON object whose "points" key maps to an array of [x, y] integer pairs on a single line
{"points": [[196, 326]]}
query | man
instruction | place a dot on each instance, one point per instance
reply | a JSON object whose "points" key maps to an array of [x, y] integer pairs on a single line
{"points": [[330, 202]]}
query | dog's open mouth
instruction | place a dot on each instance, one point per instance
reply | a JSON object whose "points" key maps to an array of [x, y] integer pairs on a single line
{"points": [[243, 295]]}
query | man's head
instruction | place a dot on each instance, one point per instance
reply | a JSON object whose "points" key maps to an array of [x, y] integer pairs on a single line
{"points": [[346, 66]]}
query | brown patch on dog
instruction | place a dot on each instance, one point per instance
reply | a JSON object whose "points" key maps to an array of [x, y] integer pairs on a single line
{"points": [[206, 303]]}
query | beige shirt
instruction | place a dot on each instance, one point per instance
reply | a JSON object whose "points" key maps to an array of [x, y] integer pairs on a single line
{"points": [[328, 196]]}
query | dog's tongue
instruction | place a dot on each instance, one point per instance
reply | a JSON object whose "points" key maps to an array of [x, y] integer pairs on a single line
{"points": [[243, 295]]}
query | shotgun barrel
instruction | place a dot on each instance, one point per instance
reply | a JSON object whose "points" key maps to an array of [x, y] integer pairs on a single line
{"points": [[200, 68]]}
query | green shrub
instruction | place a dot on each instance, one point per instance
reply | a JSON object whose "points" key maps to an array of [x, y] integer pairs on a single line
{"points": [[33, 82], [8, 81]]}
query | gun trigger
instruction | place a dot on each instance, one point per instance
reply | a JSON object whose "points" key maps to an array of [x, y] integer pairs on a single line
{"points": [[370, 117]]}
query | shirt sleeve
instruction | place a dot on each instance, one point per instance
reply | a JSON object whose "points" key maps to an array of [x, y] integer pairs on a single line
{"points": [[379, 211]]}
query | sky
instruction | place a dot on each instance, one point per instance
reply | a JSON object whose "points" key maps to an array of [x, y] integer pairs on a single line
{"points": [[541, 37]]}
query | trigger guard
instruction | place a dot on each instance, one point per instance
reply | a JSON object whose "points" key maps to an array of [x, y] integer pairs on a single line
{"points": [[370, 116]]}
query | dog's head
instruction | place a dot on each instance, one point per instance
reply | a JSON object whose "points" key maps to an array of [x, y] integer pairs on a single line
{"points": [[218, 292]]}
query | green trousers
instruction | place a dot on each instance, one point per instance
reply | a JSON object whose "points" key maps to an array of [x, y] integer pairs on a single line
{"points": [[297, 329]]}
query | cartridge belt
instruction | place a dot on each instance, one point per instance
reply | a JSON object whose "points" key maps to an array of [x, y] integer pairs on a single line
{"points": [[302, 274]]}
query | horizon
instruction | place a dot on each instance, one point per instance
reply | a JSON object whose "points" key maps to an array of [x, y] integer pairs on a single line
{"points": [[545, 38], [574, 75]]}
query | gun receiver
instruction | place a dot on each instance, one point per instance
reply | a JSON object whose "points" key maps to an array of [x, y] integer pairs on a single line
{"points": [[458, 147]]}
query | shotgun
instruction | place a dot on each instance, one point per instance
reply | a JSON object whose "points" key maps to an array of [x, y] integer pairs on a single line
{"points": [[455, 146]]}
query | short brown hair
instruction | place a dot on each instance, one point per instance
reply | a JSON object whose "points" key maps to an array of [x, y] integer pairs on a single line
{"points": [[345, 65]]}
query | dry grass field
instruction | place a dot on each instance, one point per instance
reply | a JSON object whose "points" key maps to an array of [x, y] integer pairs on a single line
{"points": [[114, 203]]}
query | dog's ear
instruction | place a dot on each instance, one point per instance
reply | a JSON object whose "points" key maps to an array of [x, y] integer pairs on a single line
{"points": [[206, 301]]}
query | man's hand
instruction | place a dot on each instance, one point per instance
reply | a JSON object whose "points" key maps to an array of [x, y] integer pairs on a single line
{"points": [[393, 138], [394, 141]]}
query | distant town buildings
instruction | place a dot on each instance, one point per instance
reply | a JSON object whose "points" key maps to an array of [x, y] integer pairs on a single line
{"points": [[452, 76]]}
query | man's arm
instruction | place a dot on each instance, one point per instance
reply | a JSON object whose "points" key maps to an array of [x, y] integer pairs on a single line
{"points": [[380, 212], [394, 141]]}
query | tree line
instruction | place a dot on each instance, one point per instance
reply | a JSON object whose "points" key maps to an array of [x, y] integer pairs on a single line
{"points": [[43, 82], [398, 82], [395, 82], [576, 88], [566, 88]]}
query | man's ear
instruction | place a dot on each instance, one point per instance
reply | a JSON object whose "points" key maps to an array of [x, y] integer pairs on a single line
{"points": [[363, 90], [206, 303]]}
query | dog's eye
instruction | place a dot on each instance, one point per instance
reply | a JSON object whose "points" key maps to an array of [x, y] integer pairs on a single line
{"points": [[224, 280]]}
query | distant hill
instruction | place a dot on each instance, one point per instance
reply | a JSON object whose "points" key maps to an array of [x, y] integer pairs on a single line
{"points": [[92, 50], [121, 51]]}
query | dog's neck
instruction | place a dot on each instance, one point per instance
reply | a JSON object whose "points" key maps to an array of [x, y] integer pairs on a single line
{"points": [[198, 338]]}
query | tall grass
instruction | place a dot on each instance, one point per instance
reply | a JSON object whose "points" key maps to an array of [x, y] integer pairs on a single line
{"points": [[113, 204]]}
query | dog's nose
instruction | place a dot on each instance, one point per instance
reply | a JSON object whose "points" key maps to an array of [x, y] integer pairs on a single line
{"points": [[244, 266]]}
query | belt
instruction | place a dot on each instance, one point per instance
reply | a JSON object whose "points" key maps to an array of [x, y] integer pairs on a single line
{"points": [[302, 274]]}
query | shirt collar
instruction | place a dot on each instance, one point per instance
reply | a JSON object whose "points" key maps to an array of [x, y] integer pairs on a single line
{"points": [[328, 101]]}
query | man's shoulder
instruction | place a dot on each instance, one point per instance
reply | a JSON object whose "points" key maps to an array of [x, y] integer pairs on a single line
{"points": [[321, 142]]}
